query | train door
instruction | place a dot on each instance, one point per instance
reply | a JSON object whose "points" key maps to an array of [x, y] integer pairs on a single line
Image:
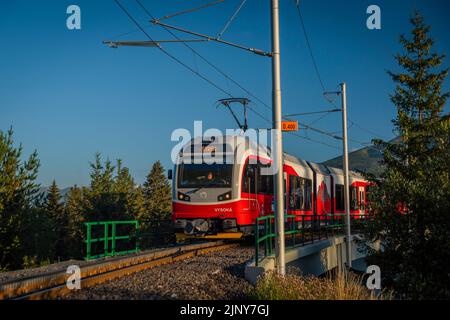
{"points": [[362, 200], [251, 188], [265, 190]]}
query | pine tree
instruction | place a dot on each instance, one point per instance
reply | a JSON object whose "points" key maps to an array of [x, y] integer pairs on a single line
{"points": [[55, 211], [18, 190], [411, 200], [157, 193]]}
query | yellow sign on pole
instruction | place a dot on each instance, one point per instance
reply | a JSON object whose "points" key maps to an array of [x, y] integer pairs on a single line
{"points": [[289, 126]]}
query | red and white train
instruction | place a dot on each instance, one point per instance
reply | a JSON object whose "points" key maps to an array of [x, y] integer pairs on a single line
{"points": [[222, 200]]}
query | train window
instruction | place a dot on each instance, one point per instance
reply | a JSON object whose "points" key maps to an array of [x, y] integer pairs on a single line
{"points": [[250, 178], [205, 176], [296, 193], [362, 204], [353, 198], [339, 195], [300, 193], [308, 194], [265, 182]]}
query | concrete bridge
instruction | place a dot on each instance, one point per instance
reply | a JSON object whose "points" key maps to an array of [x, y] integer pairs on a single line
{"points": [[312, 259]]}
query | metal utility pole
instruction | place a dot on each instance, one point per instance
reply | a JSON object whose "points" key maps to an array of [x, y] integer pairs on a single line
{"points": [[346, 178], [277, 141]]}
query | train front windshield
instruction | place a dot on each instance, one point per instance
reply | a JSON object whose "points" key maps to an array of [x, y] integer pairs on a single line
{"points": [[205, 176]]}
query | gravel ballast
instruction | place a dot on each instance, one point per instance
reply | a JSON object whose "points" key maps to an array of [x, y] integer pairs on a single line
{"points": [[216, 275]]}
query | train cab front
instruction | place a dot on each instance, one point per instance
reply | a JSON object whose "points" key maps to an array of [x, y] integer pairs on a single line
{"points": [[204, 201]]}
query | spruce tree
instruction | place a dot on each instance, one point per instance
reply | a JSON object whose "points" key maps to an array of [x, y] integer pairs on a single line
{"points": [[138, 203], [55, 211], [102, 202], [157, 193], [75, 208], [410, 202], [18, 190], [124, 191]]}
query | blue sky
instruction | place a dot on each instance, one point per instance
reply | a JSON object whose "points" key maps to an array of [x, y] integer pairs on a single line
{"points": [[68, 95]]}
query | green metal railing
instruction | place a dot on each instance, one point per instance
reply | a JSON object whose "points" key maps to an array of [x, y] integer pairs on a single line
{"points": [[299, 230], [110, 238], [266, 238]]}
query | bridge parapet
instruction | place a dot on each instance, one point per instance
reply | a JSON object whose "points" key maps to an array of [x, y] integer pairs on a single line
{"points": [[312, 259]]}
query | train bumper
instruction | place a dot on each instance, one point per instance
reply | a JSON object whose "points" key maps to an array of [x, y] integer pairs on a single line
{"points": [[181, 236], [206, 226]]}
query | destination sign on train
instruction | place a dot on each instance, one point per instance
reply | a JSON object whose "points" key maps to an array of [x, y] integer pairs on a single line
{"points": [[209, 149], [289, 126]]}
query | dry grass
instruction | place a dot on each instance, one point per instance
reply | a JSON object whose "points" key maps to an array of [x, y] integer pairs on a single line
{"points": [[296, 287]]}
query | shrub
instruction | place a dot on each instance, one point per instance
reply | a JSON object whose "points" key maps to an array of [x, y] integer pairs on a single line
{"points": [[294, 286]]}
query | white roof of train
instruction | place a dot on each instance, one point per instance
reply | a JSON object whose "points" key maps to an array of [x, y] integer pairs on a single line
{"points": [[262, 149]]}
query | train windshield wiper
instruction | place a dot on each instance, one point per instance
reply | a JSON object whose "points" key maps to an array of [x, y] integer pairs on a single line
{"points": [[199, 188], [194, 190]]}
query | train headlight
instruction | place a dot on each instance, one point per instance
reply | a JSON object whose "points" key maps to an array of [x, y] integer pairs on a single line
{"points": [[225, 196], [180, 223], [229, 225], [183, 197]]}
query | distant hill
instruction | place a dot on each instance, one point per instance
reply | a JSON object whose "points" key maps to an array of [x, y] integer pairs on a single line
{"points": [[365, 160]]}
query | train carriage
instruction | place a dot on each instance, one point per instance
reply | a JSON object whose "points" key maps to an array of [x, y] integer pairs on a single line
{"points": [[357, 192]]}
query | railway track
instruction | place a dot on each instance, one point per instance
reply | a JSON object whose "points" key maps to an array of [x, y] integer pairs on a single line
{"points": [[52, 285]]}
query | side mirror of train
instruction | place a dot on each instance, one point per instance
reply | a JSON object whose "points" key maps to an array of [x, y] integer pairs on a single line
{"points": [[169, 174]]}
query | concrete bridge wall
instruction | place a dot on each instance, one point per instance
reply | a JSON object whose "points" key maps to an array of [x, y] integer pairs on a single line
{"points": [[311, 259]]}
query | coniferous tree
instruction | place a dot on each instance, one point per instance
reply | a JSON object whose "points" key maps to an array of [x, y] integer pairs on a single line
{"points": [[124, 190], [138, 203], [157, 193], [38, 237], [411, 200], [100, 194], [75, 207], [18, 190], [55, 210]]}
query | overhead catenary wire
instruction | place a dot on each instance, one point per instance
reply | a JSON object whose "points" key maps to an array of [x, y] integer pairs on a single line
{"points": [[308, 43], [191, 10], [205, 59], [168, 53], [316, 68], [120, 35], [231, 19], [313, 140], [353, 123], [211, 38], [204, 77], [209, 62], [293, 133], [175, 58], [312, 112], [319, 131]]}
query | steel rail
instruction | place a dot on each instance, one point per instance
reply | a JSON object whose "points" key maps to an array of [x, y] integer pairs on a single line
{"points": [[52, 285]]}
